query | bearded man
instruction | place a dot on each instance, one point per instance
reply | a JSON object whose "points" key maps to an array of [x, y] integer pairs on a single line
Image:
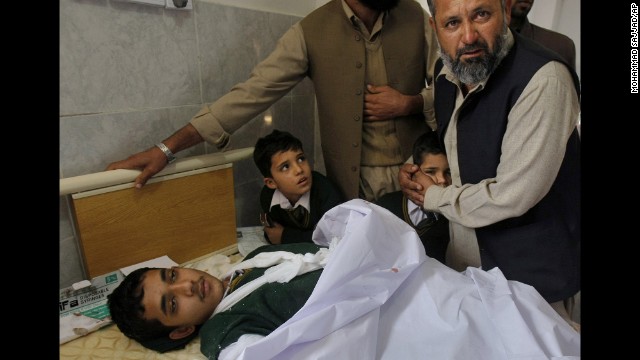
{"points": [[506, 111]]}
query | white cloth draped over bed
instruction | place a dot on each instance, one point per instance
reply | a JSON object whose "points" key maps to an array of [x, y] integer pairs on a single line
{"points": [[380, 297]]}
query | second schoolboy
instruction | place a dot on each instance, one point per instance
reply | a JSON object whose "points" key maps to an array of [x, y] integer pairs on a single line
{"points": [[294, 197], [432, 228]]}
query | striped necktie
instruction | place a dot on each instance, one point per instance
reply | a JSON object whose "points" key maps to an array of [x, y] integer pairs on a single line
{"points": [[300, 215]]}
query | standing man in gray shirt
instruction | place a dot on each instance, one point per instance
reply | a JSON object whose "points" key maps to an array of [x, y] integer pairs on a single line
{"points": [[369, 61]]}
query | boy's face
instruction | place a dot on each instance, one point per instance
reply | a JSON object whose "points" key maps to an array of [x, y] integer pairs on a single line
{"points": [[290, 173], [437, 168], [180, 296]]}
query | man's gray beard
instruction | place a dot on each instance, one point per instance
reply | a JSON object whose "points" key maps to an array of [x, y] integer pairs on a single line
{"points": [[477, 69]]}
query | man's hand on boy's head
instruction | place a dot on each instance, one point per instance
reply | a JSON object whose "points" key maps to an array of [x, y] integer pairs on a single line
{"points": [[274, 233], [410, 188], [424, 180]]}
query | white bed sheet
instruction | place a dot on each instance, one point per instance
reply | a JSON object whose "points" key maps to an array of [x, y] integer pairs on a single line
{"points": [[380, 297]]}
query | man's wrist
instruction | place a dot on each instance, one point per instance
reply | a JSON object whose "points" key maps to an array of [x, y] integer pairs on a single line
{"points": [[414, 104], [167, 152]]}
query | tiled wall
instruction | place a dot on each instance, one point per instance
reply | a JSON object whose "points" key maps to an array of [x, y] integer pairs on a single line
{"points": [[131, 75]]}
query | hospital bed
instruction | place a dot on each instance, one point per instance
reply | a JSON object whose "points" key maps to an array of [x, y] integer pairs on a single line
{"points": [[379, 296]]}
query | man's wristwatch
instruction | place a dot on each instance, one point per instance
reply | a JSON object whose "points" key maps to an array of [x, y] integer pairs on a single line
{"points": [[170, 157]]}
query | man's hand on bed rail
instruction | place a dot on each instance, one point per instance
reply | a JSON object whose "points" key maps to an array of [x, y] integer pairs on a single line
{"points": [[153, 160], [150, 162], [411, 189]]}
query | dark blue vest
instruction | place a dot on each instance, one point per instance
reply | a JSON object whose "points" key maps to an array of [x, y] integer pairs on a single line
{"points": [[542, 247]]}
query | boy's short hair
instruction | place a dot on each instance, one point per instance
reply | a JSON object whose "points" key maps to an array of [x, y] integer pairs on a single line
{"points": [[270, 145], [427, 143], [127, 311]]}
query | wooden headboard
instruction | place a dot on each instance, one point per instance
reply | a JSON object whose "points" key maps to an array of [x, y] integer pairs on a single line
{"points": [[186, 211]]}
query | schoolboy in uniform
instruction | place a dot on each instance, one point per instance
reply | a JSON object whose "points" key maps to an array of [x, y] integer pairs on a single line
{"points": [[335, 293], [164, 309], [433, 228], [294, 197]]}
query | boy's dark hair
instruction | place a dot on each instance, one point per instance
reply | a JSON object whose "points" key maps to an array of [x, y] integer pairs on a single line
{"points": [[127, 311], [427, 143], [270, 145]]}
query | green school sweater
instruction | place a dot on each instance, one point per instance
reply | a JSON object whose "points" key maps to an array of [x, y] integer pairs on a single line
{"points": [[264, 309]]}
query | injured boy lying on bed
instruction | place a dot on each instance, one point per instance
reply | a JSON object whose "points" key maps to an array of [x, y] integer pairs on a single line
{"points": [[364, 290]]}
